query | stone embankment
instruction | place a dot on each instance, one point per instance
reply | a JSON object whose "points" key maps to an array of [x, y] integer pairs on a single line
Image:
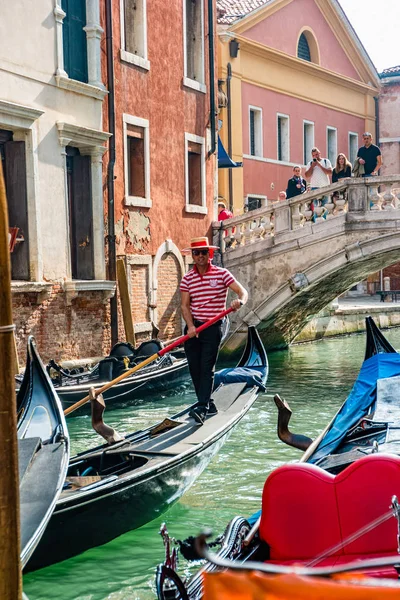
{"points": [[347, 315]]}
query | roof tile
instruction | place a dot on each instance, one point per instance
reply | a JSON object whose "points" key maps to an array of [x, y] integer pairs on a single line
{"points": [[229, 11]]}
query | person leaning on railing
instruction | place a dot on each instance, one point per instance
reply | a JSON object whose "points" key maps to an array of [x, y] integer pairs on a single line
{"points": [[341, 171]]}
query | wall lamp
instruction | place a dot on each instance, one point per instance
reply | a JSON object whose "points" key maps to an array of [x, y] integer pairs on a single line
{"points": [[234, 48]]}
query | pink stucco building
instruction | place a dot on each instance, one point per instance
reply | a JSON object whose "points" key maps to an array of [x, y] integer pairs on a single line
{"points": [[300, 78]]}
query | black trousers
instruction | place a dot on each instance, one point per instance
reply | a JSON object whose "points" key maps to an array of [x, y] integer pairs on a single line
{"points": [[202, 354]]}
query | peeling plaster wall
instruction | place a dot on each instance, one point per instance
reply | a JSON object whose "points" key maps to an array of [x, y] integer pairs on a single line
{"points": [[132, 232]]}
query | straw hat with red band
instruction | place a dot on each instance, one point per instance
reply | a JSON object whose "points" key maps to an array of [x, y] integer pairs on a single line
{"points": [[198, 244]]}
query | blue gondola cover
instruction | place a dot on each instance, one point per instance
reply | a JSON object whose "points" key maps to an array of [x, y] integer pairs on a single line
{"points": [[360, 402]]}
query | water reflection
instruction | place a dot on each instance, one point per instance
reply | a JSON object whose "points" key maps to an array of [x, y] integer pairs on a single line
{"points": [[314, 378]]}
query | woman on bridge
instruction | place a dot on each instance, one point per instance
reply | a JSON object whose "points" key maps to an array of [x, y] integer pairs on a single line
{"points": [[342, 168]]}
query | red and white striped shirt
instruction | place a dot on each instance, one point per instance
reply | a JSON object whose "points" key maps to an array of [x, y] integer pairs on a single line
{"points": [[207, 292]]}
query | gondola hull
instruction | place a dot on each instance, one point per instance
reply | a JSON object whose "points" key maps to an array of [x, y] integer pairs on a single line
{"points": [[43, 452], [138, 479], [130, 389]]}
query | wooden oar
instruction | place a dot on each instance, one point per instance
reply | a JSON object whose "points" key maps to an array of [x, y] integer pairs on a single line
{"points": [[147, 361]]}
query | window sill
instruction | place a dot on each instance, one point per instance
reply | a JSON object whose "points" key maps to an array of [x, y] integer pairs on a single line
{"points": [[72, 288], [81, 88], [193, 208], [134, 59], [138, 201], [194, 85], [41, 288]]}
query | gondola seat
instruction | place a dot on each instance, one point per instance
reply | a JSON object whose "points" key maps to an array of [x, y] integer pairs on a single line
{"points": [[307, 511]]}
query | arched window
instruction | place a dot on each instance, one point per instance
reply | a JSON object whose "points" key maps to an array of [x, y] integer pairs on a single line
{"points": [[303, 49]]}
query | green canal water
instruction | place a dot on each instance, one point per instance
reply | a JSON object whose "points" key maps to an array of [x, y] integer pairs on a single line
{"points": [[314, 378]]}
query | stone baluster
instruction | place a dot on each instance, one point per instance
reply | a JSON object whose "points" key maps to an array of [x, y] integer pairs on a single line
{"points": [[239, 234], [340, 202], [307, 213], [248, 232], [318, 211], [296, 215], [397, 202], [268, 225], [389, 199], [330, 205], [373, 196], [259, 231], [230, 236]]}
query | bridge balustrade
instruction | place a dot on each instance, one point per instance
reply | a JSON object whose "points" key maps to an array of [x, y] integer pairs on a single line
{"points": [[318, 207]]}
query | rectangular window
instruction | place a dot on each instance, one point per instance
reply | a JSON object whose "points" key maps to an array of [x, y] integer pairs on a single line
{"points": [[195, 174], [283, 138], [254, 202], [331, 144], [308, 140], [12, 156], [136, 167], [137, 161], [353, 146], [80, 214], [74, 39], [255, 133], [134, 32], [193, 19]]}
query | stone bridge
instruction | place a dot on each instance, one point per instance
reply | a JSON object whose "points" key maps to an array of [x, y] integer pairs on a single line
{"points": [[295, 257]]}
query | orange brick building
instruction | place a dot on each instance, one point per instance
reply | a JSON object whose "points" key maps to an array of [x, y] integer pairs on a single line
{"points": [[165, 167]]}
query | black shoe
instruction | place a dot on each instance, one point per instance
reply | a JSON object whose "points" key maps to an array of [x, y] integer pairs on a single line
{"points": [[212, 409], [198, 414]]}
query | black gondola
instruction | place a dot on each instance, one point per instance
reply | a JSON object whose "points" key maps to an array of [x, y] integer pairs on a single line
{"points": [[366, 423], [114, 489], [165, 373], [43, 451]]}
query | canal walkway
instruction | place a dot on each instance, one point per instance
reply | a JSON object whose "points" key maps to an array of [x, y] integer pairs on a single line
{"points": [[347, 315]]}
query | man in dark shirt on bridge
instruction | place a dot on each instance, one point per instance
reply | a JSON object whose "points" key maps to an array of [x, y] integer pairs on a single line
{"points": [[370, 156]]}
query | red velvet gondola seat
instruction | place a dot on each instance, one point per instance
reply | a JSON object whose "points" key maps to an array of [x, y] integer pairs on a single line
{"points": [[306, 511]]}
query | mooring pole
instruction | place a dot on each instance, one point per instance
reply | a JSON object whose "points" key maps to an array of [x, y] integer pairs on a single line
{"points": [[10, 568]]}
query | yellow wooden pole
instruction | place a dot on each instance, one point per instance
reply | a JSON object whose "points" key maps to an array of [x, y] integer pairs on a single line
{"points": [[125, 301], [10, 569]]}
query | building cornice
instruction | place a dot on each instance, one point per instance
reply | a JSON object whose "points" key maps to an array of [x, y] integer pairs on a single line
{"points": [[270, 54], [24, 114], [81, 137], [337, 21]]}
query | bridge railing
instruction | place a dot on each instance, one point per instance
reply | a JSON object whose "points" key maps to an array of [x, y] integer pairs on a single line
{"points": [[358, 195]]}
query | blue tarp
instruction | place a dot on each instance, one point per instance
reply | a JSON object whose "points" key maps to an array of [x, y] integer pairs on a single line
{"points": [[224, 160], [360, 402]]}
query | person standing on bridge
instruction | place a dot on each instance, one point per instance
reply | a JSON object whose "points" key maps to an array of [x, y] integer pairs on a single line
{"points": [[204, 290], [370, 156], [318, 171]]}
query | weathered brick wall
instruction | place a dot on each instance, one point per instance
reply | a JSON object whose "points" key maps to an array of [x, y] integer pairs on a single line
{"points": [[62, 332], [168, 298], [139, 293]]}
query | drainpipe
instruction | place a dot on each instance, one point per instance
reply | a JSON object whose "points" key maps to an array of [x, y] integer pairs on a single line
{"points": [[229, 107], [112, 264], [211, 59], [377, 132]]}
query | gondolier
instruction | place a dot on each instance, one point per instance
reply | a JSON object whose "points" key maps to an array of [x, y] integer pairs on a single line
{"points": [[204, 291]]}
